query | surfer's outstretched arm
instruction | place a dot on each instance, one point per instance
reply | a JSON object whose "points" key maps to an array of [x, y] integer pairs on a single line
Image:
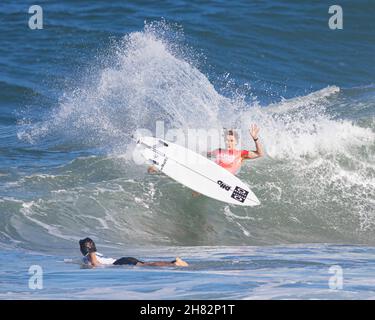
{"points": [[259, 152]]}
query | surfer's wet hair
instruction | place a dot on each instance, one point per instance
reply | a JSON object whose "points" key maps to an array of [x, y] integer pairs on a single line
{"points": [[87, 246], [231, 132]]}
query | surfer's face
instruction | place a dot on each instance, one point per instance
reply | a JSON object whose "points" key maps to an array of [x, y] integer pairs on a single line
{"points": [[230, 142]]}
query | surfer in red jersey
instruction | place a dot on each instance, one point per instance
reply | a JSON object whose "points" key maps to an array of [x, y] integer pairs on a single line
{"points": [[230, 158]]}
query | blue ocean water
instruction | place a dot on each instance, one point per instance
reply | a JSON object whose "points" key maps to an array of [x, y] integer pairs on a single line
{"points": [[240, 272], [72, 92]]}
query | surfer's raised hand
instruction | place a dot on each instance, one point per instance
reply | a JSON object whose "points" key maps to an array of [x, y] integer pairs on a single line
{"points": [[254, 130]]}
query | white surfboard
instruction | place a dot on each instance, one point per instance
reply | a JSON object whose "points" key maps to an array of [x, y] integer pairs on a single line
{"points": [[196, 172]]}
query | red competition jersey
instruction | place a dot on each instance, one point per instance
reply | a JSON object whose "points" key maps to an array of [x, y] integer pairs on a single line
{"points": [[229, 159]]}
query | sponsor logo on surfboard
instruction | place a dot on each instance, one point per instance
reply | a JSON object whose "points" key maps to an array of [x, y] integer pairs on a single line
{"points": [[239, 194], [223, 185], [163, 164]]}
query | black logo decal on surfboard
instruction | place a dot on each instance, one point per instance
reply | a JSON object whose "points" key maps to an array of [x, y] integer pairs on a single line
{"points": [[223, 185], [163, 164], [239, 194]]}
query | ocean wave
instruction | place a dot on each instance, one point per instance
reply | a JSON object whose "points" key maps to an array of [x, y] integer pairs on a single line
{"points": [[316, 182]]}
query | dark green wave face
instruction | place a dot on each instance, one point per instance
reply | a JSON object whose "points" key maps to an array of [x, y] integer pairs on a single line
{"points": [[72, 93]]}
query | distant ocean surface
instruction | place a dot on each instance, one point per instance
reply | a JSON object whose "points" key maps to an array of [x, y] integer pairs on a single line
{"points": [[73, 92]]}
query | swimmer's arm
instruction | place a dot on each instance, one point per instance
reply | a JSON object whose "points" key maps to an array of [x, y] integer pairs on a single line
{"points": [[93, 260]]}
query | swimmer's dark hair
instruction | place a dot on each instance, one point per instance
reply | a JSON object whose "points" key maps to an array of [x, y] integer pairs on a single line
{"points": [[231, 132], [87, 246]]}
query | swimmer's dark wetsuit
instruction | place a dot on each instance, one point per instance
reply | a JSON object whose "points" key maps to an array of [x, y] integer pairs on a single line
{"points": [[131, 261], [127, 260]]}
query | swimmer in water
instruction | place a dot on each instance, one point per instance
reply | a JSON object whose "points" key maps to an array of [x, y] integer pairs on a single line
{"points": [[93, 258]]}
